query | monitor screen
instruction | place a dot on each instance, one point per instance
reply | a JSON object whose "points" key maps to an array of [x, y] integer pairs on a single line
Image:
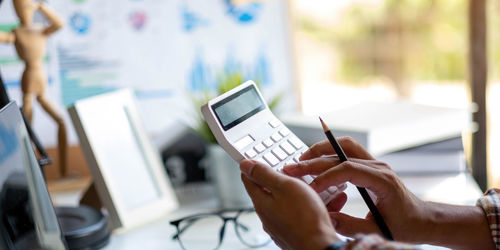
{"points": [[28, 220], [4, 98], [238, 107]]}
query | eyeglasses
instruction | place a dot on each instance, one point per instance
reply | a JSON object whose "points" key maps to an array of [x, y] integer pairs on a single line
{"points": [[206, 230]]}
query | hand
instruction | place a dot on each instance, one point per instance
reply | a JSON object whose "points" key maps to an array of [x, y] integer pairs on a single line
{"points": [[409, 218], [399, 207], [291, 212], [41, 5]]}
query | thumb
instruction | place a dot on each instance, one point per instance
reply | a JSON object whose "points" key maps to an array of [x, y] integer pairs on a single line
{"points": [[350, 226]]}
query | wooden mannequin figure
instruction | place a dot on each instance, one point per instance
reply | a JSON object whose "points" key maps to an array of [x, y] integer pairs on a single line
{"points": [[30, 40]]}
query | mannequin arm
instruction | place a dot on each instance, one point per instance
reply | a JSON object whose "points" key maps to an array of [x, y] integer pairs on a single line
{"points": [[7, 37], [55, 22]]}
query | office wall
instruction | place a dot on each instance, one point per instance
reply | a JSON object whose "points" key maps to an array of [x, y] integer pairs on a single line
{"points": [[167, 51]]}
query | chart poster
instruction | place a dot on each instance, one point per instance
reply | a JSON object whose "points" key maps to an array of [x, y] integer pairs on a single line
{"points": [[166, 51]]}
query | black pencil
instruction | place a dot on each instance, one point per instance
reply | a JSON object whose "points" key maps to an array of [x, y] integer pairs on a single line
{"points": [[373, 209]]}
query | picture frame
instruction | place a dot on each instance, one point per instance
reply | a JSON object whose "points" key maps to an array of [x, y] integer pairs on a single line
{"points": [[128, 174]]}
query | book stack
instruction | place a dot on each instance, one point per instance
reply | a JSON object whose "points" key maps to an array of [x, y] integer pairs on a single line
{"points": [[411, 138]]}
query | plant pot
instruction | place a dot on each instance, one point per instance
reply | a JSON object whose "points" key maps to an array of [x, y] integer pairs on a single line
{"points": [[226, 176]]}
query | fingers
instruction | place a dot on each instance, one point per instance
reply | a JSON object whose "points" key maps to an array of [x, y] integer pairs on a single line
{"points": [[350, 226], [337, 203], [358, 174], [256, 193], [350, 146], [319, 165], [261, 174], [312, 167], [317, 150]]}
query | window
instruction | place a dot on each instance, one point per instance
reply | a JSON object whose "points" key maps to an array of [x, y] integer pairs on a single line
{"points": [[387, 49]]}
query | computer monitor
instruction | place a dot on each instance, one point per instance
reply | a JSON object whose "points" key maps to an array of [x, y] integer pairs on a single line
{"points": [[28, 219], [4, 98]]}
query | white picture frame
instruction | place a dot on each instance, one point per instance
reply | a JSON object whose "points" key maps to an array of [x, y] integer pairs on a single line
{"points": [[128, 174]]}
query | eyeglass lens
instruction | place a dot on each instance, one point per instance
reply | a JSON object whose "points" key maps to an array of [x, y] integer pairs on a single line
{"points": [[201, 232], [250, 231], [206, 231]]}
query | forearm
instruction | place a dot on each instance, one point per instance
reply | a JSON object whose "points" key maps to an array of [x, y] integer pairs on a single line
{"points": [[55, 22], [457, 227], [7, 37]]}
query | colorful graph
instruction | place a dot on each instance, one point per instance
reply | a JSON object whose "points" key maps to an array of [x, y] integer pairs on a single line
{"points": [[80, 23], [203, 76], [243, 13], [191, 20], [137, 19], [76, 81]]}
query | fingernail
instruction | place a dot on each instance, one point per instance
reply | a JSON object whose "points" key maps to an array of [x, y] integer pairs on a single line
{"points": [[304, 154], [246, 166], [290, 167]]}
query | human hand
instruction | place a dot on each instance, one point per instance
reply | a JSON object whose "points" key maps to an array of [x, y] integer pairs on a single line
{"points": [[291, 212], [403, 212], [41, 5]]}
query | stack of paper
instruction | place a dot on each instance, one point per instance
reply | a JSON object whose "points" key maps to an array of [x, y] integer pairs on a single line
{"points": [[440, 157], [385, 127]]}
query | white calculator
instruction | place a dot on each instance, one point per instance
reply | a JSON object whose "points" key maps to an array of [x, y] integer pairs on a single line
{"points": [[246, 128]]}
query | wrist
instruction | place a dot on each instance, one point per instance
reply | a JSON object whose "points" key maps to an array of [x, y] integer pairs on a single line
{"points": [[457, 226], [318, 239], [338, 245], [322, 242]]}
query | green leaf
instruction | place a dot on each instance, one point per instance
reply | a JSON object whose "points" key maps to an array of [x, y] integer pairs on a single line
{"points": [[225, 82]]}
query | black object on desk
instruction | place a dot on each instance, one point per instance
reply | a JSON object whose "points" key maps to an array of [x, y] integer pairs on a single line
{"points": [[26, 211], [83, 227]]}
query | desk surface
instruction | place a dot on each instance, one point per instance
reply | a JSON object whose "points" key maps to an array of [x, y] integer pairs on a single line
{"points": [[457, 189]]}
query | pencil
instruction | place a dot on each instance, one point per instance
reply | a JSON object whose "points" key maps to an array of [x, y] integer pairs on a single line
{"points": [[373, 209]]}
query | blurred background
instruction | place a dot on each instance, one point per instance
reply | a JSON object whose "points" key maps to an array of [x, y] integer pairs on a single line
{"points": [[317, 55], [384, 49]]}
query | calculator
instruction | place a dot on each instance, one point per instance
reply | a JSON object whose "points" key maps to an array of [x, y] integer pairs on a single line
{"points": [[245, 127]]}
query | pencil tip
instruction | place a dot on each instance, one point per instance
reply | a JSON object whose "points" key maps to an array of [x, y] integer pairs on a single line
{"points": [[325, 128]]}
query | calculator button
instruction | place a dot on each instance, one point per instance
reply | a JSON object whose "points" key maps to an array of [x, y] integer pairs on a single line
{"points": [[276, 137], [324, 196], [342, 187], [268, 142], [295, 142], [262, 160], [259, 148], [271, 159], [296, 158], [279, 153], [243, 142], [274, 123], [288, 148], [332, 189], [251, 153], [284, 132]]}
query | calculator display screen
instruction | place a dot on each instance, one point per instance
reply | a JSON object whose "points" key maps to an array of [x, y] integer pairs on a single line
{"points": [[238, 107]]}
